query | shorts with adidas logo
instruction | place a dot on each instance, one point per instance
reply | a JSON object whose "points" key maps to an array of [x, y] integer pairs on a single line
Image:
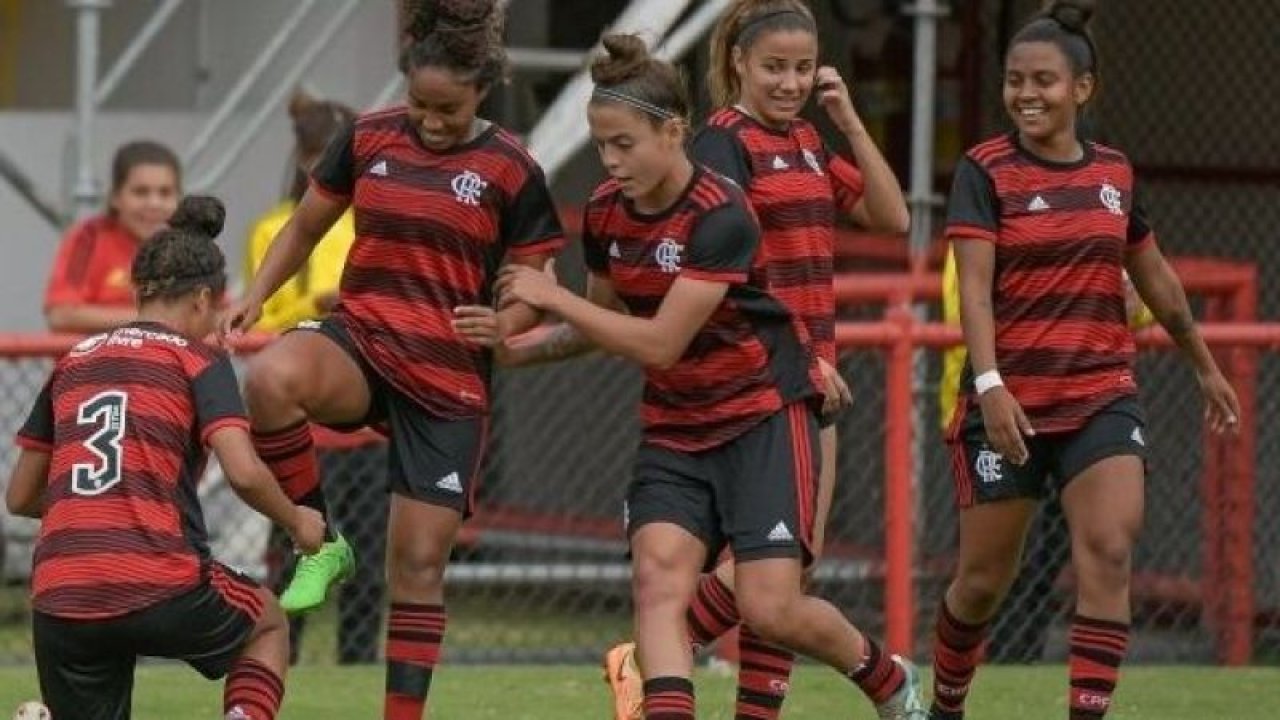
{"points": [[754, 494], [982, 475], [429, 458]]}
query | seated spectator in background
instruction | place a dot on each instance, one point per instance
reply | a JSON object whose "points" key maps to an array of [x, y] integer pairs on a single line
{"points": [[89, 289], [353, 478]]}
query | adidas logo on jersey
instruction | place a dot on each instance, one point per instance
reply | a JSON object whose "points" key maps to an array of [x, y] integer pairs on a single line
{"points": [[779, 163], [781, 533], [379, 168], [1137, 437], [450, 482], [614, 252], [1037, 204]]}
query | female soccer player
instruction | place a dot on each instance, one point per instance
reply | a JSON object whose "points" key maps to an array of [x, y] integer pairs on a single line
{"points": [[764, 69], [112, 452], [440, 197], [1043, 226], [729, 449]]}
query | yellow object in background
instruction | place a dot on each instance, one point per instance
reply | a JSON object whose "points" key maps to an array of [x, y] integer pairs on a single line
{"points": [[297, 299]]}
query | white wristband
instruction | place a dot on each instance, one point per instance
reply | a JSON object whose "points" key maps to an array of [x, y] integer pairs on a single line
{"points": [[986, 381]]}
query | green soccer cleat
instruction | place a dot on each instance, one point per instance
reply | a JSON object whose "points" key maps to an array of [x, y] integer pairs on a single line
{"points": [[317, 573], [908, 702]]}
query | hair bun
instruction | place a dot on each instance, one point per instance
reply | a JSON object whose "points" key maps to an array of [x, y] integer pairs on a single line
{"points": [[626, 57], [428, 16], [462, 14], [200, 214], [1074, 15]]}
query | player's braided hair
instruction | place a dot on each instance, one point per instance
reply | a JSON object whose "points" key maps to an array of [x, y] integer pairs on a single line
{"points": [[464, 36], [628, 74], [1065, 23], [183, 257], [740, 26]]}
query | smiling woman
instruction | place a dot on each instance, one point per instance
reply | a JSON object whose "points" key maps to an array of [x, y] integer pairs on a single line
{"points": [[89, 288], [729, 453], [441, 199], [1044, 226]]}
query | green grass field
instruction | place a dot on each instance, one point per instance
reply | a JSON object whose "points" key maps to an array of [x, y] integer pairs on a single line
{"points": [[575, 692]]}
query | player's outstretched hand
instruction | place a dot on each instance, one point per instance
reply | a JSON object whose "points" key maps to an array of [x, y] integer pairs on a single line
{"points": [[1006, 424], [307, 532], [238, 318], [1221, 406], [476, 324]]}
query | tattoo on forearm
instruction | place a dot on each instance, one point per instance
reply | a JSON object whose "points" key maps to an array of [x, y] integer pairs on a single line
{"points": [[563, 342]]}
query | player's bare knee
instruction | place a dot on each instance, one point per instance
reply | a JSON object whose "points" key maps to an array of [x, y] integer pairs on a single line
{"points": [[769, 611], [416, 570], [979, 590], [1106, 557], [655, 582]]}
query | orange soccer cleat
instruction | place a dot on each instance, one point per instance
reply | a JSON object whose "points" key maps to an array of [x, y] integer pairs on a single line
{"points": [[623, 676]]}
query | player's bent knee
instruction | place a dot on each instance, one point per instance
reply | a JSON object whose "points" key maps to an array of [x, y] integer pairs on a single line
{"points": [[979, 591], [769, 612], [420, 571], [655, 583], [1109, 556]]}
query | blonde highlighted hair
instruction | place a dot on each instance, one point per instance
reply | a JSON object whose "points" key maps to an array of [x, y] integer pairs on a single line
{"points": [[740, 26]]}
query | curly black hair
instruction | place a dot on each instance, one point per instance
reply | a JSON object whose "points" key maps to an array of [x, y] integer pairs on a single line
{"points": [[464, 36], [183, 257]]}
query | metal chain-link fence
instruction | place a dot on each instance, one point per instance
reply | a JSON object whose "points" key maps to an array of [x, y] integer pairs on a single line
{"points": [[541, 573]]}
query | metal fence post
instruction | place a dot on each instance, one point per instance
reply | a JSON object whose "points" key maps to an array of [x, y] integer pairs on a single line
{"points": [[900, 492], [85, 195]]}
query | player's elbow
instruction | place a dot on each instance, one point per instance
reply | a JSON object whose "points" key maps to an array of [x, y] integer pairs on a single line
{"points": [[18, 502], [662, 355], [898, 222]]}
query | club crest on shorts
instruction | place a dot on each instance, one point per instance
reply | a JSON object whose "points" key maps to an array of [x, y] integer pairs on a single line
{"points": [[467, 187], [989, 465], [667, 255], [1111, 199]]}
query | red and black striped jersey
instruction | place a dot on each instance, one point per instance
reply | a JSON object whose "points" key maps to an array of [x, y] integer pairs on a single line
{"points": [[125, 416], [432, 229], [795, 185], [750, 359], [1061, 233]]}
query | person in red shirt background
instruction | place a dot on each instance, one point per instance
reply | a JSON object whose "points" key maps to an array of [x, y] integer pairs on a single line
{"points": [[89, 287]]}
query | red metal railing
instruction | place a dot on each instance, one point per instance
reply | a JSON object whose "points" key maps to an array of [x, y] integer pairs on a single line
{"points": [[1226, 591]]}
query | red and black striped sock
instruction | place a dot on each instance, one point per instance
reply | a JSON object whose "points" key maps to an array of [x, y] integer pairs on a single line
{"points": [[252, 691], [764, 675], [878, 675], [290, 453], [713, 612], [668, 698], [957, 651], [414, 636], [1098, 648]]}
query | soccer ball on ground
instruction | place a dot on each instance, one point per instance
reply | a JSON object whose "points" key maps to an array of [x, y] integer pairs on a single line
{"points": [[32, 710]]}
